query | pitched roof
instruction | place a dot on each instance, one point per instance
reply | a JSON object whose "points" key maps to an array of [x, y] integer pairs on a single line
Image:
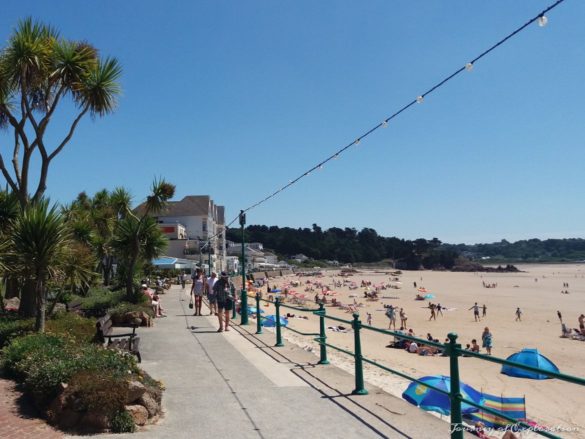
{"points": [[191, 205]]}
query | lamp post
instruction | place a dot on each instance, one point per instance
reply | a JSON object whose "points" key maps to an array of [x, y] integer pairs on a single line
{"points": [[244, 296]]}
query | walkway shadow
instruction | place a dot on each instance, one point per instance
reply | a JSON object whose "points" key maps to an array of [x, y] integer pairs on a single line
{"points": [[339, 398]]}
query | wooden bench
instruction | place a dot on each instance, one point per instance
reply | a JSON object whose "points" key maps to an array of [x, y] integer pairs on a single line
{"points": [[124, 342]]}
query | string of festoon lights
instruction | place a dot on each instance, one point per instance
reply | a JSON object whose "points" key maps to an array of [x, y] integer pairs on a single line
{"points": [[542, 21]]}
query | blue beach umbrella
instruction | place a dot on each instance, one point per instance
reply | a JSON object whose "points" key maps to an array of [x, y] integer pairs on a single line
{"points": [[431, 400], [276, 290], [254, 310], [429, 296], [529, 357], [270, 321]]}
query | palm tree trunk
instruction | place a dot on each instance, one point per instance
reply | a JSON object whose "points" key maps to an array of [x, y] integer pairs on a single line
{"points": [[28, 299], [42, 305], [107, 269], [130, 278]]}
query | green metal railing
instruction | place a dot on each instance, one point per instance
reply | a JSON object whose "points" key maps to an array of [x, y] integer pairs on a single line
{"points": [[452, 349]]}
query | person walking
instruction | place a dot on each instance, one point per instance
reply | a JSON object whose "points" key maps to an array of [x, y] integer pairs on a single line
{"points": [[433, 313], [224, 292], [211, 299], [484, 310], [197, 290], [439, 309], [518, 315], [369, 319], [183, 279], [486, 338], [475, 309]]}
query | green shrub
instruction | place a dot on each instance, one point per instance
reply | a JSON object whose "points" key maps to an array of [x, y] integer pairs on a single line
{"points": [[99, 300], [73, 326], [43, 361], [101, 391], [12, 326], [122, 422], [21, 351]]}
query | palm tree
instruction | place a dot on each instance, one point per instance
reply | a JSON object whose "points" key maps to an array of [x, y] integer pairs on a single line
{"points": [[38, 70], [138, 238], [38, 240]]}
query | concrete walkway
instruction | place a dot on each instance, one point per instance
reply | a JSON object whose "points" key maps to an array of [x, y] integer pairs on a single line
{"points": [[235, 384]]}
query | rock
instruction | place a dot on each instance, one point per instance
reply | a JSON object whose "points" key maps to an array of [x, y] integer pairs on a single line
{"points": [[59, 307], [139, 414], [150, 404], [13, 303], [145, 318], [68, 419], [94, 421], [56, 407], [135, 391]]}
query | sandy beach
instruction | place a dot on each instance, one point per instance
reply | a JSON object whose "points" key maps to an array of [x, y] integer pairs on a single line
{"points": [[536, 290]]}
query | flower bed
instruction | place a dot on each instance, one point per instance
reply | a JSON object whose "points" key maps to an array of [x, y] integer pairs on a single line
{"points": [[81, 386]]}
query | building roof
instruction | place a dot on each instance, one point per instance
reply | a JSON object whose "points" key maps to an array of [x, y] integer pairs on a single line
{"points": [[191, 205]]}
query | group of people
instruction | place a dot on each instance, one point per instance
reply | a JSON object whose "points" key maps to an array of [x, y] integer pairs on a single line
{"points": [[220, 295], [475, 309], [486, 342], [435, 310], [391, 314]]}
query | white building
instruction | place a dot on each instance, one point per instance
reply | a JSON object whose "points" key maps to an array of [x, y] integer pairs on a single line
{"points": [[198, 230]]}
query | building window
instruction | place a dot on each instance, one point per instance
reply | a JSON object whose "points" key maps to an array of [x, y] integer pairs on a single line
{"points": [[204, 225]]}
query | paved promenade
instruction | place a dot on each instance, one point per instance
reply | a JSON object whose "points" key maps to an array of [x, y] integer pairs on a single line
{"points": [[235, 384]]}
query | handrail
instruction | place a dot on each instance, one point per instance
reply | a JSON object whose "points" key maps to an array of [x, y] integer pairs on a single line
{"points": [[451, 349]]}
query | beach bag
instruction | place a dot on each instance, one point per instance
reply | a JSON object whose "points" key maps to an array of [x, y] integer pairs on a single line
{"points": [[191, 303]]}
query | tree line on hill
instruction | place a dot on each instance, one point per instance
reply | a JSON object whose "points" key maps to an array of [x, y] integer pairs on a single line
{"points": [[349, 245], [530, 250]]}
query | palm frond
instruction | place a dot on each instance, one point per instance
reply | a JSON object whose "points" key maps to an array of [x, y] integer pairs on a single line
{"points": [[100, 89]]}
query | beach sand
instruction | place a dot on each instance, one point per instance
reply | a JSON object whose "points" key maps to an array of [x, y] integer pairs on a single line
{"points": [[536, 290]]}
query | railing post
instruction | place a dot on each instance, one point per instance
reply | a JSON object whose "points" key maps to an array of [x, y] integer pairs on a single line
{"points": [[455, 394], [322, 335], [359, 370], [279, 342], [258, 315]]}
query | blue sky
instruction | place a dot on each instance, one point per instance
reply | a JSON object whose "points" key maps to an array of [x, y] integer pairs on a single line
{"points": [[236, 98]]}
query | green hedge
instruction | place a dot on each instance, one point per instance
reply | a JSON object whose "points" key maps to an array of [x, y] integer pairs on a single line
{"points": [[79, 328], [99, 300], [12, 326], [43, 361]]}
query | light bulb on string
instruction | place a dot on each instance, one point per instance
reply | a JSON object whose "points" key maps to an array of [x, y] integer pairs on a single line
{"points": [[469, 67], [384, 123], [420, 99], [542, 20], [357, 142], [320, 167], [336, 156]]}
